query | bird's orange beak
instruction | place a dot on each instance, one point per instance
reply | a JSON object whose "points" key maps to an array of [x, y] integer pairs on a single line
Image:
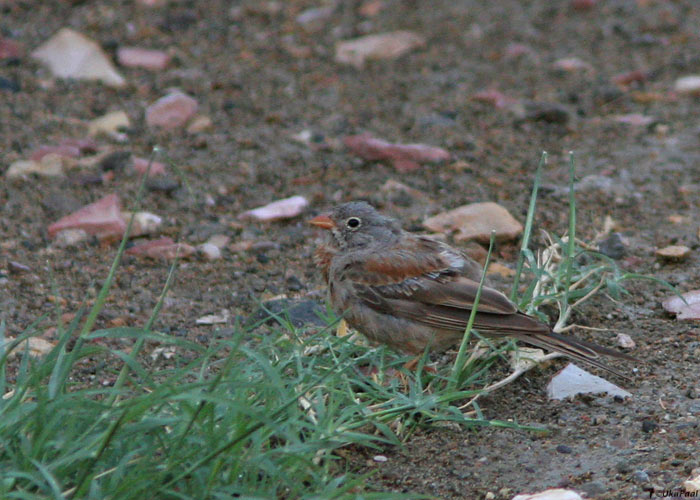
{"points": [[322, 221]]}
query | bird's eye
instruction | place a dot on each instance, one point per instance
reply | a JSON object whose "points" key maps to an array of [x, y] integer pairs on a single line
{"points": [[353, 222]]}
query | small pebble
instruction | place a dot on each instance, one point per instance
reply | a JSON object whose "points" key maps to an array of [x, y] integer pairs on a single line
{"points": [[673, 252], [624, 340], [379, 458], [612, 246], [623, 467], [649, 426], [562, 448], [640, 476], [209, 251]]}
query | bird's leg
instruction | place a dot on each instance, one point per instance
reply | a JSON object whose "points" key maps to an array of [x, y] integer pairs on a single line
{"points": [[412, 364]]}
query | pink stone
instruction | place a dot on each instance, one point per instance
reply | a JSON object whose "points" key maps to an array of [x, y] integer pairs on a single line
{"points": [[634, 119], [136, 57], [171, 111], [66, 151], [690, 309], [9, 49], [84, 145], [141, 165], [516, 50], [162, 248], [495, 98], [69, 148], [102, 219], [404, 157], [636, 76], [280, 209]]}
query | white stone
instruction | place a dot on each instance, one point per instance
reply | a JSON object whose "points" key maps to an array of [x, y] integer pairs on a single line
{"points": [[572, 380], [70, 54]]}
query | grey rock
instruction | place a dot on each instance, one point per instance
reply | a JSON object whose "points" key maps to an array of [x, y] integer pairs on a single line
{"points": [[640, 477], [612, 246], [116, 161], [593, 489], [547, 112], [298, 312]]}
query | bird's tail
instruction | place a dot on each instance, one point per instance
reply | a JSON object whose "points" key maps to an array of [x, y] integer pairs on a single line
{"points": [[580, 350]]}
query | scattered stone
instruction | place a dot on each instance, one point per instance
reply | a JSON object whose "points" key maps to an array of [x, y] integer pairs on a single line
{"points": [[10, 84], [404, 157], [678, 219], [115, 162], [171, 111], [209, 251], [393, 187], [692, 485], [199, 124], [562, 448], [163, 184], [687, 307], [10, 49], [548, 112], [253, 246], [599, 419], [37, 347], [67, 151], [593, 489], [572, 64], [623, 466], [673, 252], [141, 166], [218, 240], [294, 284], [17, 267], [102, 219], [555, 494], [640, 477], [689, 85], [298, 312], [495, 98], [136, 57], [371, 8], [315, 18], [50, 166], [144, 223], [70, 238], [163, 352], [625, 341], [516, 50], [572, 380], [613, 246], [112, 125], [625, 79], [476, 221], [280, 209], [69, 54], [583, 5], [594, 182], [162, 248], [383, 46], [215, 319], [634, 119], [649, 426]]}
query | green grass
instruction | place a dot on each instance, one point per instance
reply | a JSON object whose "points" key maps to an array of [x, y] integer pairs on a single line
{"points": [[254, 416]]}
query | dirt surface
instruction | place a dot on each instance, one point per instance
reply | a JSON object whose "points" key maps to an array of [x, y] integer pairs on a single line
{"points": [[262, 78]]}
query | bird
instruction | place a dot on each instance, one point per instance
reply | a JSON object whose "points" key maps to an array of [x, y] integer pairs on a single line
{"points": [[413, 292]]}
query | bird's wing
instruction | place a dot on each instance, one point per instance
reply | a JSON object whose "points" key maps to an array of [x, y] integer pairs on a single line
{"points": [[424, 279]]}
